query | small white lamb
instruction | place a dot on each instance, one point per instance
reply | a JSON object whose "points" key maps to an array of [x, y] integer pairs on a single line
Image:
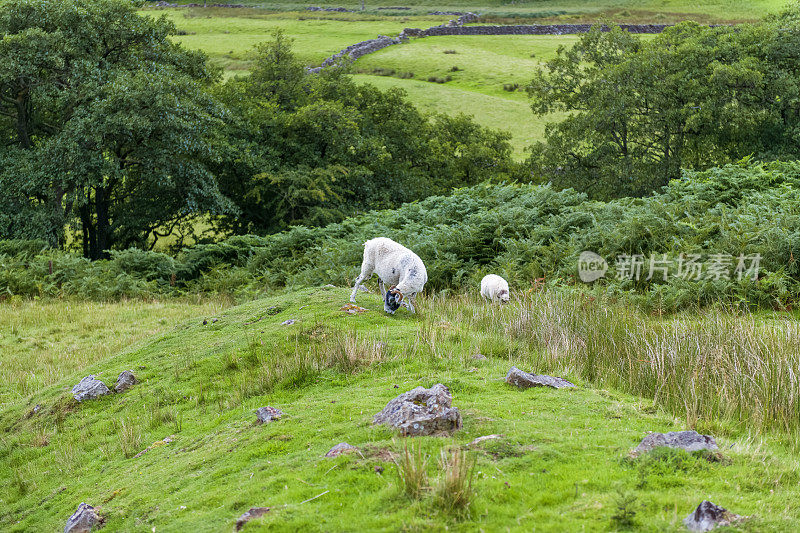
{"points": [[396, 266], [494, 288]]}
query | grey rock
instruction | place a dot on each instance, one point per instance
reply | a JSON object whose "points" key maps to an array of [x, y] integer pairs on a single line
{"points": [[253, 512], [479, 357], [524, 380], [268, 414], [691, 441], [421, 412], [288, 322], [125, 381], [89, 388], [340, 449], [707, 516], [82, 520]]}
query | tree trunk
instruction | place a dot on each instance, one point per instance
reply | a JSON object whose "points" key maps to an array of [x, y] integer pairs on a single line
{"points": [[23, 105], [102, 203]]}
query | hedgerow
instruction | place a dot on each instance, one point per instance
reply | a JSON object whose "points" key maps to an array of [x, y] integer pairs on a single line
{"points": [[531, 234]]}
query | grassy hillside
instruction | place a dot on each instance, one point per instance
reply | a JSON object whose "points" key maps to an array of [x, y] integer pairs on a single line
{"points": [[561, 464], [719, 10]]}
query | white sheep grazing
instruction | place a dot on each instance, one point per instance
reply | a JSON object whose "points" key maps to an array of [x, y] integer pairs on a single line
{"points": [[396, 266], [494, 288]]}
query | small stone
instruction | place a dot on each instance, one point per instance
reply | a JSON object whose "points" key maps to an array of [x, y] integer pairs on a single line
{"points": [[421, 411], [89, 388], [340, 449], [329, 286], [37, 408], [707, 516], [378, 469], [213, 320], [479, 357], [205, 322], [691, 441], [524, 380], [253, 512], [125, 381], [268, 414], [288, 322], [82, 520], [485, 438]]}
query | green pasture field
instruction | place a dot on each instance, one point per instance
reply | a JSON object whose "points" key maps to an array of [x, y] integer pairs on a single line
{"points": [[485, 63], [561, 462], [624, 10]]}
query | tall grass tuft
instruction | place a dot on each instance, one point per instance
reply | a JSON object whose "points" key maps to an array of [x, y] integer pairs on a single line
{"points": [[130, 437], [412, 471], [454, 494], [705, 367]]}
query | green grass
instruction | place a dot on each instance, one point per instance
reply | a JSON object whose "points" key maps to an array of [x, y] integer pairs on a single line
{"points": [[485, 65], [719, 10], [40, 342], [561, 465], [508, 114], [229, 35]]}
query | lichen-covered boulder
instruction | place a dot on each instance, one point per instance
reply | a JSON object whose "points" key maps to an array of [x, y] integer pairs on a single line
{"points": [[125, 381], [523, 380], [267, 414], [691, 441], [422, 412], [82, 520], [89, 388], [707, 516]]}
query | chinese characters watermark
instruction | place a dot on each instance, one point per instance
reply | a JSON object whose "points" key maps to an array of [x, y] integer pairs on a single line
{"points": [[689, 267]]}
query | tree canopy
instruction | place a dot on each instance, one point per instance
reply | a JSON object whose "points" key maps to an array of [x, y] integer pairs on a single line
{"points": [[639, 110]]}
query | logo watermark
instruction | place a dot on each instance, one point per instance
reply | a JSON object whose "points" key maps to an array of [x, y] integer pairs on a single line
{"points": [[690, 267], [591, 267]]}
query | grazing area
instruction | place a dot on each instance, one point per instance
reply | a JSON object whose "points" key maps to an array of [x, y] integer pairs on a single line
{"points": [[387, 267], [57, 337], [182, 449]]}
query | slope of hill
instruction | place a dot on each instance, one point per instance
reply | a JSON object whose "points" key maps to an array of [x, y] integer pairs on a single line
{"points": [[561, 463]]}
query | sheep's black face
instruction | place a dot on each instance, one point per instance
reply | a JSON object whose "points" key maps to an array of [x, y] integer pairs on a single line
{"points": [[392, 301]]}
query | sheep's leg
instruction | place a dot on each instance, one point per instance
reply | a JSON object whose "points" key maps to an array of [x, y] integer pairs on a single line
{"points": [[359, 279], [382, 287], [409, 303]]}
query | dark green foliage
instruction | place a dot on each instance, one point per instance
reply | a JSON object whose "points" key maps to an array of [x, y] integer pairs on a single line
{"points": [[117, 136], [106, 125], [524, 232], [640, 110], [312, 150]]}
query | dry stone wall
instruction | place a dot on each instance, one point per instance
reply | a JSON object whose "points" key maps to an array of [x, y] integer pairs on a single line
{"points": [[457, 27]]}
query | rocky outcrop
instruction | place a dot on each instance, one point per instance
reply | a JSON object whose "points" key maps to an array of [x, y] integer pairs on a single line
{"points": [[422, 412], [523, 380], [691, 441], [253, 512], [707, 516], [89, 388], [340, 449], [83, 519], [267, 414], [125, 381]]}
